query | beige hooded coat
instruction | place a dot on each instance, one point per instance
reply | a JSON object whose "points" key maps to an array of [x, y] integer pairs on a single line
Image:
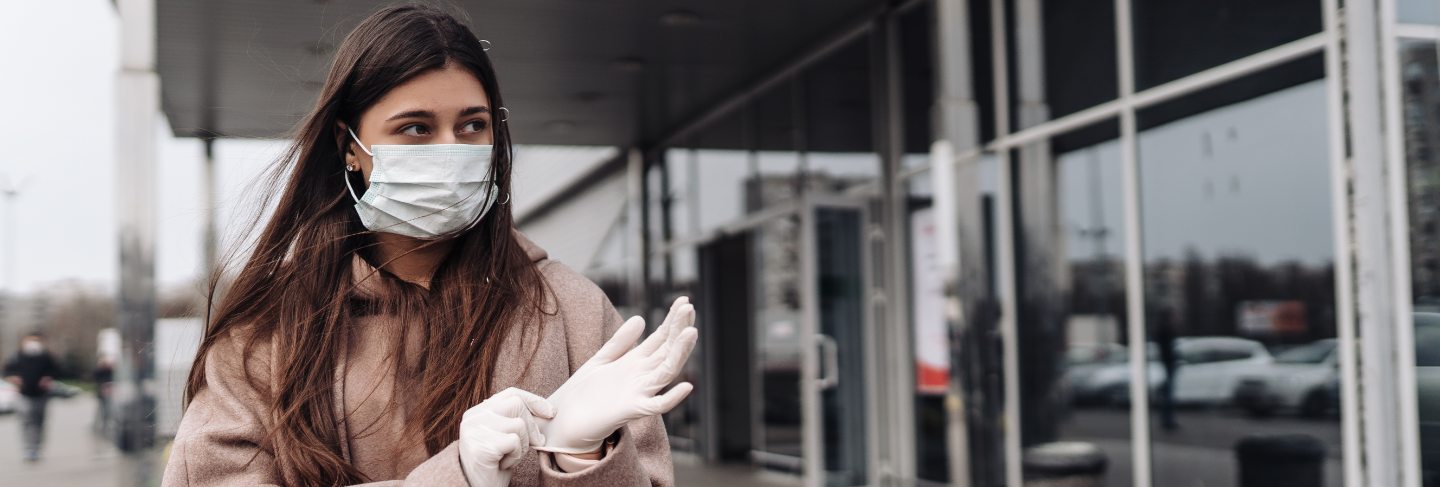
{"points": [[223, 425]]}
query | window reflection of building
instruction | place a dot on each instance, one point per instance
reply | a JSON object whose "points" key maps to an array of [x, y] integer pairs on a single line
{"points": [[1421, 99]]}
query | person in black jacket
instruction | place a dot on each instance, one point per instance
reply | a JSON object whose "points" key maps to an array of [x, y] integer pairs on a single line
{"points": [[32, 371]]}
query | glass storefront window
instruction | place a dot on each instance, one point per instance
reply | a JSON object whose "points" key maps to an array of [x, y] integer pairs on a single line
{"points": [[1073, 60], [936, 361], [1073, 334], [1239, 280], [917, 65], [1420, 72], [1417, 12], [1178, 38], [839, 121]]}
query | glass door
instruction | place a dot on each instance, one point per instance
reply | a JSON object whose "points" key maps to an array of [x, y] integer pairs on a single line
{"points": [[836, 325], [808, 323]]}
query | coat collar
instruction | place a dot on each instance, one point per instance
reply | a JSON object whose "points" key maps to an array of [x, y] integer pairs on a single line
{"points": [[367, 279]]}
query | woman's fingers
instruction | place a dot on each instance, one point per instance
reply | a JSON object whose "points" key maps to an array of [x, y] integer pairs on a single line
{"points": [[536, 405], [667, 365], [518, 445], [622, 341], [666, 332], [663, 403]]}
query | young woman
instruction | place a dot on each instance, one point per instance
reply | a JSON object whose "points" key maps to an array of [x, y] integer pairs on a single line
{"points": [[391, 326]]}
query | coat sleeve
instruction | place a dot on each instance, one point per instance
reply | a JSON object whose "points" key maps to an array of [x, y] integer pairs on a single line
{"points": [[641, 454], [220, 435]]}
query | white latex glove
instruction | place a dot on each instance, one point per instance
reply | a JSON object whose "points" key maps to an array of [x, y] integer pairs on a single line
{"points": [[620, 383], [497, 433]]}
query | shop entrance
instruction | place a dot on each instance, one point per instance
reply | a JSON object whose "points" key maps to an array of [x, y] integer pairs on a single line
{"points": [[787, 365]]}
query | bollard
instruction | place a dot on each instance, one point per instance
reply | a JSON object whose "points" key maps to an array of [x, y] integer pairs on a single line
{"points": [[1064, 464], [1289, 460]]}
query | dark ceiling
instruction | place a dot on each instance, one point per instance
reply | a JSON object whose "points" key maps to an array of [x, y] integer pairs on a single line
{"points": [[586, 72]]}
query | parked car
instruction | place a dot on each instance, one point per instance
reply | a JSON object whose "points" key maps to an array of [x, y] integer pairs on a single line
{"points": [[9, 398], [1081, 365], [1207, 372], [1300, 379]]}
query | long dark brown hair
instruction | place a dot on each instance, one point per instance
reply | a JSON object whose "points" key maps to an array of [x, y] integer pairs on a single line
{"points": [[295, 289]]}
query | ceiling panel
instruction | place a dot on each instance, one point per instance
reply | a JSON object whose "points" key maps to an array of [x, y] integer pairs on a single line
{"points": [[588, 72]]}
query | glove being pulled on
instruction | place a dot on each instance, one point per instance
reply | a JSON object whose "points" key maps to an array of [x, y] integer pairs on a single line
{"points": [[621, 382]]}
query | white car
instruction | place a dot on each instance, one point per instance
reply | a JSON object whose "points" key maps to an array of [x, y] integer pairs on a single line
{"points": [[9, 398], [1301, 379], [1207, 372]]}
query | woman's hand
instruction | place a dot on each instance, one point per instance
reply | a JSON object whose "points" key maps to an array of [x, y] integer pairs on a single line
{"points": [[620, 383], [498, 432]]}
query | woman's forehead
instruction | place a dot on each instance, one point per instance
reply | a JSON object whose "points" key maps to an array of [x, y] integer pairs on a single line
{"points": [[445, 91]]}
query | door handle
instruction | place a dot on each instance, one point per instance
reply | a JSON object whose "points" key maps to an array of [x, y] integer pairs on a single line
{"points": [[830, 355]]}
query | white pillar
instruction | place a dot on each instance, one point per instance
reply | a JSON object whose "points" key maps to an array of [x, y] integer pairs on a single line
{"points": [[137, 98]]}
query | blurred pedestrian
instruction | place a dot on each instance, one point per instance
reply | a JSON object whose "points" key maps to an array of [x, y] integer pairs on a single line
{"points": [[32, 371], [1165, 340], [103, 375]]}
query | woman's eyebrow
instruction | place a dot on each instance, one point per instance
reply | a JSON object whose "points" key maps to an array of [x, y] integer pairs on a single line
{"points": [[412, 114], [474, 110]]}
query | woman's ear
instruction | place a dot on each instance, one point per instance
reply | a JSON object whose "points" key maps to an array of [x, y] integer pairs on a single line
{"points": [[346, 149]]}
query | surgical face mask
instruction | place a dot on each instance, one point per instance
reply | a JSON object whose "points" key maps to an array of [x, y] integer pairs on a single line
{"points": [[425, 191], [32, 348]]}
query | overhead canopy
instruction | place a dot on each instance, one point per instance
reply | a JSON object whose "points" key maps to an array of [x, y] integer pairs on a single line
{"points": [[585, 72]]}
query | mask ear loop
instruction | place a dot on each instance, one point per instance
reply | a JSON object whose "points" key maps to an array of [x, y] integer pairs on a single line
{"points": [[504, 114], [346, 174]]}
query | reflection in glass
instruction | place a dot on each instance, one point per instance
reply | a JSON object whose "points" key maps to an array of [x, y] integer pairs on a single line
{"points": [[841, 311], [679, 269], [1421, 105], [1074, 367], [1239, 284], [1417, 11], [1174, 39], [839, 124], [1074, 60], [776, 294], [935, 351]]}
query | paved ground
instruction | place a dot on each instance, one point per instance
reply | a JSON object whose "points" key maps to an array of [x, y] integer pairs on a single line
{"points": [[690, 472], [71, 455], [1201, 452]]}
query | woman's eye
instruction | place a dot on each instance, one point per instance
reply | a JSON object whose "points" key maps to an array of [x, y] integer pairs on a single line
{"points": [[415, 130], [473, 126]]}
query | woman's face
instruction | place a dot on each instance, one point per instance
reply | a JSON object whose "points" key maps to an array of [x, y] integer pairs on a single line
{"points": [[443, 106]]}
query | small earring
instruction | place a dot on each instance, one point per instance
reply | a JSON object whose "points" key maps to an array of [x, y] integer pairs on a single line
{"points": [[350, 167]]}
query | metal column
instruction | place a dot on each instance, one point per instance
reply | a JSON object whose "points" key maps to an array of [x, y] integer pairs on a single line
{"points": [[1374, 259], [959, 219]]}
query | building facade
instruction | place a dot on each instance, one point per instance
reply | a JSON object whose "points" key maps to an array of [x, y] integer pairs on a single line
{"points": [[933, 243]]}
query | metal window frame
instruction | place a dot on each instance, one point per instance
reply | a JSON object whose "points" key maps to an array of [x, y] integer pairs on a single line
{"points": [[1124, 108], [1341, 223], [1395, 162]]}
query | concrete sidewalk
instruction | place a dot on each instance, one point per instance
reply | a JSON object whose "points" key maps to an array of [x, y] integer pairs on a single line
{"points": [[691, 472], [71, 455]]}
